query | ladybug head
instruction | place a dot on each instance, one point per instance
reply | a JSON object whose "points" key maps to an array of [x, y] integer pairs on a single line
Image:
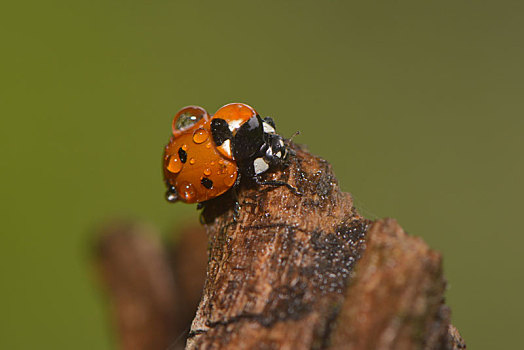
{"points": [[273, 152]]}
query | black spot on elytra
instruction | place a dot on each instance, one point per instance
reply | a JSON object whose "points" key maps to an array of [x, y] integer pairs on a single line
{"points": [[220, 131], [206, 183], [182, 154]]}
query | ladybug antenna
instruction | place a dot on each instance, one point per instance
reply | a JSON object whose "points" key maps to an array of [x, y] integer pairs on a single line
{"points": [[293, 136]]}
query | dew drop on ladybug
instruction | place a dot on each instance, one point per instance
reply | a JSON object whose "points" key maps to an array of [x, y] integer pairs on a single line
{"points": [[229, 180], [205, 154], [174, 165], [188, 191], [200, 136]]}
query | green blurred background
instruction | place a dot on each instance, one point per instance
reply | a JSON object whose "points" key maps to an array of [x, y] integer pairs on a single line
{"points": [[418, 106]]}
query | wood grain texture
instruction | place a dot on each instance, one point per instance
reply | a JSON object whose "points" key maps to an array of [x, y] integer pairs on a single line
{"points": [[287, 272], [276, 276], [308, 272]]}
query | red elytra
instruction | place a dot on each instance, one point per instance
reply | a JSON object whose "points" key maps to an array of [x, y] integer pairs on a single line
{"points": [[193, 165]]}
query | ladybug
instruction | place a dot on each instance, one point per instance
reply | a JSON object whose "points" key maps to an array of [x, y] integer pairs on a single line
{"points": [[206, 156]]}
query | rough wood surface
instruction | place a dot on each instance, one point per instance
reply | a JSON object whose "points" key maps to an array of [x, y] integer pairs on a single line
{"points": [[303, 272], [278, 276], [396, 295], [140, 285]]}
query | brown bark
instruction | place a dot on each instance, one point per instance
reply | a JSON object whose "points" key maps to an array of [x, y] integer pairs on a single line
{"points": [[140, 284], [153, 291], [308, 272], [396, 297], [283, 275]]}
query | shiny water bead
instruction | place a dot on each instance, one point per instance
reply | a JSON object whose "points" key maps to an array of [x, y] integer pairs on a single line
{"points": [[187, 191], [200, 136], [202, 158], [174, 164], [188, 118], [171, 194], [229, 180]]}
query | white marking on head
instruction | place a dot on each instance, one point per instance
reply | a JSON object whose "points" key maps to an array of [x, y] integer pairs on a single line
{"points": [[226, 147], [260, 165], [278, 154], [281, 143], [268, 129]]}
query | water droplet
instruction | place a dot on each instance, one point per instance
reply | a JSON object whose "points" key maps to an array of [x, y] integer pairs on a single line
{"points": [[187, 191], [230, 179], [207, 171], [221, 162], [230, 169], [174, 164], [213, 163], [208, 145], [200, 136], [171, 194], [192, 161], [184, 147]]}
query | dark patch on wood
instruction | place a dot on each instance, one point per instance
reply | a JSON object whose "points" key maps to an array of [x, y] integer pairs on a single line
{"points": [[295, 272], [286, 303], [335, 255], [300, 250], [220, 131]]}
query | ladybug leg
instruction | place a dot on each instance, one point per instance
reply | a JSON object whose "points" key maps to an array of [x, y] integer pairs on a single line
{"points": [[277, 183], [253, 204], [291, 152], [236, 204], [235, 186], [201, 218], [236, 211]]}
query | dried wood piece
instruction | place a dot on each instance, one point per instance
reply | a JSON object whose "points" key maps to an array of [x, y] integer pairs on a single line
{"points": [[278, 275], [290, 272], [189, 265], [454, 340], [139, 280], [395, 300]]}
